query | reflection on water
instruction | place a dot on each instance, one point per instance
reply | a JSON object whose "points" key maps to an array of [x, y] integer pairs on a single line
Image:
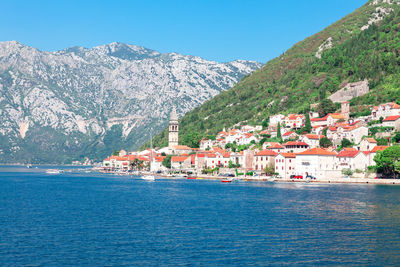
{"points": [[96, 219]]}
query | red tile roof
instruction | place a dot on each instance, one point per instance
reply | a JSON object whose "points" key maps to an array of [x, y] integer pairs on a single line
{"points": [[179, 158], [266, 152], [314, 136], [347, 153], [378, 148], [371, 140], [317, 151], [288, 133], [295, 143], [320, 119], [392, 118], [275, 146], [288, 155]]}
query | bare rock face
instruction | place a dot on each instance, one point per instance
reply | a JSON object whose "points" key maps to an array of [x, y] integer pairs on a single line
{"points": [[86, 102], [350, 91]]}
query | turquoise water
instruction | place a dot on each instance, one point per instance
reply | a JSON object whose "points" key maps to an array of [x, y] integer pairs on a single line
{"points": [[92, 219]]}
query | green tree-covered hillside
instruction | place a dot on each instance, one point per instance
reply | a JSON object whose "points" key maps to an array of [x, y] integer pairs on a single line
{"points": [[297, 78]]}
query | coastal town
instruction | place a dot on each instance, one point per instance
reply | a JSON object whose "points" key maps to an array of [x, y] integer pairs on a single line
{"points": [[292, 146]]}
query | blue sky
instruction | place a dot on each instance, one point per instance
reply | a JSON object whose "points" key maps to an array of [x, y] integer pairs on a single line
{"points": [[220, 30]]}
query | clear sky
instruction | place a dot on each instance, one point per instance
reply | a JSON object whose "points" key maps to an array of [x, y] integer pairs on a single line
{"points": [[220, 30]]}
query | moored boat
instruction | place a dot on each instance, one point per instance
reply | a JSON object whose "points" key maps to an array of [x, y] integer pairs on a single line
{"points": [[54, 171]]}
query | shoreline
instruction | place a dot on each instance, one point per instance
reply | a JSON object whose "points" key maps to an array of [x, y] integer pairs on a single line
{"points": [[319, 181]]}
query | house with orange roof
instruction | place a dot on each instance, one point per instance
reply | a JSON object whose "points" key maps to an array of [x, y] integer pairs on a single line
{"points": [[392, 121], [385, 110], [247, 138], [276, 147], [289, 135], [317, 162], [324, 121], [116, 163], [294, 121], [295, 146], [351, 159], [329, 120], [373, 152], [285, 164], [264, 158], [312, 140], [217, 159], [180, 162], [353, 133], [367, 144]]}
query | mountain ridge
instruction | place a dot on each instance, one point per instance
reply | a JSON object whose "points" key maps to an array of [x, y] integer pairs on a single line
{"points": [[65, 105]]}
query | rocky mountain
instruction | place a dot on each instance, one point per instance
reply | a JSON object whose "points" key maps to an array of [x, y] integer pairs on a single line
{"points": [[65, 105], [358, 57]]}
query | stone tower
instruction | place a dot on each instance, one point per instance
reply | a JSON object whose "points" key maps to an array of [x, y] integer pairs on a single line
{"points": [[346, 109], [173, 130]]}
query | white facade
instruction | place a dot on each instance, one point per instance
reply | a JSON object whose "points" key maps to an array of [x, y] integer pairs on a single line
{"points": [[385, 110], [318, 163], [285, 165], [357, 160], [275, 119]]}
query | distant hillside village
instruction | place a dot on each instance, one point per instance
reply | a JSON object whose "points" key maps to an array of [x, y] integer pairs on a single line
{"points": [[289, 146]]}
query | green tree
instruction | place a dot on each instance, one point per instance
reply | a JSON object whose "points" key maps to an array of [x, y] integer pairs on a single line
{"points": [[381, 141], [269, 169], [396, 138], [278, 131], [115, 153], [307, 125], [167, 161], [347, 172], [325, 142], [346, 143], [326, 106], [192, 139], [388, 161], [265, 123]]}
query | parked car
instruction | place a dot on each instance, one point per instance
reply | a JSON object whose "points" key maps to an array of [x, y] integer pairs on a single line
{"points": [[310, 177]]}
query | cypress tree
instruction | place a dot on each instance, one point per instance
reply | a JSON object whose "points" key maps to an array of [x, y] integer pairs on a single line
{"points": [[278, 131], [307, 125]]}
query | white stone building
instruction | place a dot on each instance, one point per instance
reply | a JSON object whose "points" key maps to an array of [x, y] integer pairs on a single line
{"points": [[263, 159], [392, 121], [351, 159], [285, 164], [385, 110], [317, 162]]}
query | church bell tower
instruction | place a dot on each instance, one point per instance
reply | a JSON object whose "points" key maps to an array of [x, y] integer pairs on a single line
{"points": [[173, 130]]}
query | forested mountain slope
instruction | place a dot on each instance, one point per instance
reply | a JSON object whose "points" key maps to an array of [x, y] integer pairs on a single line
{"points": [[363, 45]]}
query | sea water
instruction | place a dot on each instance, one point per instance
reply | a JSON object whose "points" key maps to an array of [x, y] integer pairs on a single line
{"points": [[86, 219]]}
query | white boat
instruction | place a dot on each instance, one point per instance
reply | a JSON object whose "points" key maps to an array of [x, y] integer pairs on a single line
{"points": [[54, 171], [149, 177]]}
